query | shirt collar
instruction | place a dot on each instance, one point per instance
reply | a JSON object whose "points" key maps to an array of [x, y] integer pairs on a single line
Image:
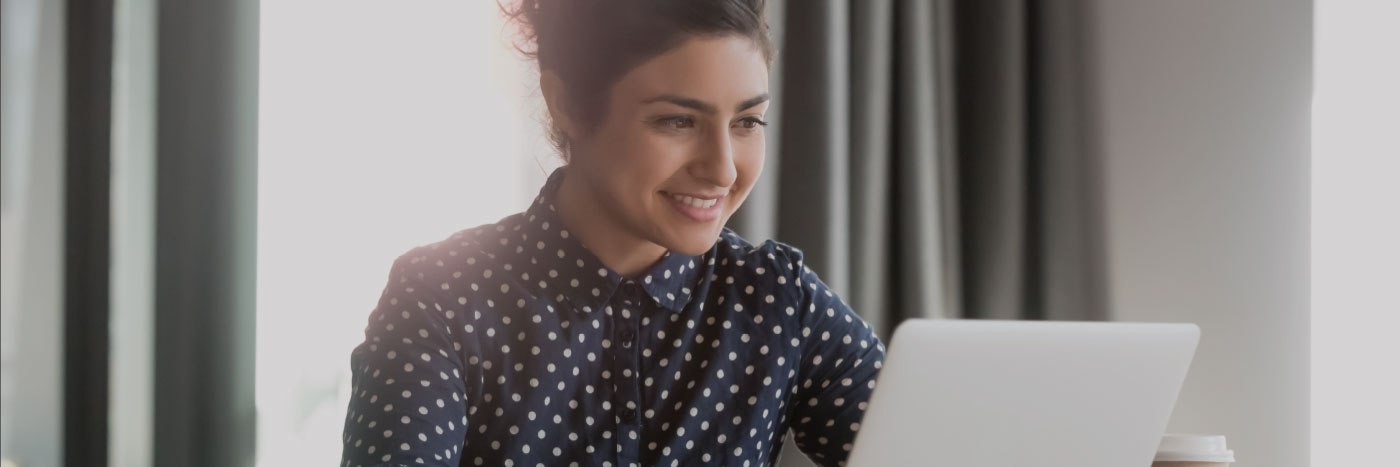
{"points": [[568, 271]]}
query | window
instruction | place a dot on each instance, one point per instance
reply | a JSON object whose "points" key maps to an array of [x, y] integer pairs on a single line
{"points": [[383, 126]]}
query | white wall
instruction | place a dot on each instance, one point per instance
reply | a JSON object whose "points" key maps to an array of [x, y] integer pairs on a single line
{"points": [[1203, 111], [1355, 224]]}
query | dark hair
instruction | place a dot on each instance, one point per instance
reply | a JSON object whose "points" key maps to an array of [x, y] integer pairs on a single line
{"points": [[590, 44]]}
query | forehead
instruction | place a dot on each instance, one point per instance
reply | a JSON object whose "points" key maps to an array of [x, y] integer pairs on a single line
{"points": [[722, 70]]}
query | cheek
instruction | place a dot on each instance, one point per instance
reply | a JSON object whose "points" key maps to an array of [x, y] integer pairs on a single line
{"points": [[748, 163], [618, 147], [651, 159], [637, 163], [750, 157]]}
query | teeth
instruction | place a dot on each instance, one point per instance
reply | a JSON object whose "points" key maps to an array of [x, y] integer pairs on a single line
{"points": [[695, 202]]}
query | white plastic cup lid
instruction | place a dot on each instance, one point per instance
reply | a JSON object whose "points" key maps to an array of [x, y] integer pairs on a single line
{"points": [[1193, 448]]}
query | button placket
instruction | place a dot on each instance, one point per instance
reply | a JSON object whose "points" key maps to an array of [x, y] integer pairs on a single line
{"points": [[625, 370]]}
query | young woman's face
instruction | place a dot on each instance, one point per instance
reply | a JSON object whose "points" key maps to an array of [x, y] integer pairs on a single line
{"points": [[681, 144]]}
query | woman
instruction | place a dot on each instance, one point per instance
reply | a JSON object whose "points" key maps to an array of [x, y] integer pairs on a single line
{"points": [[616, 322]]}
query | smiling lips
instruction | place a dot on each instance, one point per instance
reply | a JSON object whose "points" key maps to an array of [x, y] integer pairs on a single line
{"points": [[695, 202], [698, 208]]}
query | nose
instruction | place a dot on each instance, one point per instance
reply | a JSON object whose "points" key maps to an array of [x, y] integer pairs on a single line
{"points": [[715, 162]]}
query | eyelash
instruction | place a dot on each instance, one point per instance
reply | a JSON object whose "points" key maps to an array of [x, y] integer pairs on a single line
{"points": [[756, 121], [671, 123]]}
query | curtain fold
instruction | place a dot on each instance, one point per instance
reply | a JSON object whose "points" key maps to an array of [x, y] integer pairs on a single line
{"points": [[929, 157], [206, 168], [1027, 198], [872, 41], [816, 111], [87, 228]]}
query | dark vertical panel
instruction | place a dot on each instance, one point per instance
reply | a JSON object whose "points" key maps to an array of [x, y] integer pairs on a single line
{"points": [[1038, 132], [206, 143], [991, 82], [1062, 262], [87, 219]]}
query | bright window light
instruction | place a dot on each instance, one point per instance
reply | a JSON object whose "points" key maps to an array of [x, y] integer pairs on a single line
{"points": [[1356, 233], [383, 126]]}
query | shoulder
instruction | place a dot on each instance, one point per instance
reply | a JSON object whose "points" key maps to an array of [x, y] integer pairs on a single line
{"points": [[769, 253], [469, 252], [768, 262]]}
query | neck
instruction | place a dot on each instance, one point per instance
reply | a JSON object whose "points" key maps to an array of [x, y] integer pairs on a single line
{"points": [[604, 236]]}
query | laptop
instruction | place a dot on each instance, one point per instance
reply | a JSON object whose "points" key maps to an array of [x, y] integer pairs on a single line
{"points": [[972, 393]]}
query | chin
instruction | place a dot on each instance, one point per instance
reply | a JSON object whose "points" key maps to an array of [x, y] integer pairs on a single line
{"points": [[694, 244]]}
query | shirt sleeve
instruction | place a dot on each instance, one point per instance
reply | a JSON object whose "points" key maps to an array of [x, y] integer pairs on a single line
{"points": [[841, 358], [408, 398]]}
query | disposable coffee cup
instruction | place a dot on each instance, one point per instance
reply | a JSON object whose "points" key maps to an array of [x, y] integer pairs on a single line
{"points": [[1180, 450]]}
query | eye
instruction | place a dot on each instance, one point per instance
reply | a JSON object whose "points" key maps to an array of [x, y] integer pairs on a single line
{"points": [[678, 122], [752, 123]]}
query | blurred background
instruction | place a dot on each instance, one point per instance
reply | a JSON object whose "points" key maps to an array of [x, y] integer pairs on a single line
{"points": [[197, 198]]}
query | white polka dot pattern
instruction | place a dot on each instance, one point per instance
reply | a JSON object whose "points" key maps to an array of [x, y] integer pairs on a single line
{"points": [[510, 344]]}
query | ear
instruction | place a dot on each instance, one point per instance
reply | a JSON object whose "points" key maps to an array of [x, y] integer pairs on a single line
{"points": [[554, 98]]}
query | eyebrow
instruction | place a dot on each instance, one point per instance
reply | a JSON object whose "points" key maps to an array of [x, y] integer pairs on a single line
{"points": [[706, 106]]}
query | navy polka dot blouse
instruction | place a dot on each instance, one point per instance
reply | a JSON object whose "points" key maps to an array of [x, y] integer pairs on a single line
{"points": [[510, 344]]}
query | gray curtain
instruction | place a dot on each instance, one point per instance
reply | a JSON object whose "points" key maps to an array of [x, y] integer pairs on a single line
{"points": [[929, 157], [205, 232]]}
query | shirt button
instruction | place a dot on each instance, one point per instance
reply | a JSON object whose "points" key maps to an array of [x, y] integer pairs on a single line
{"points": [[626, 413], [626, 336]]}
